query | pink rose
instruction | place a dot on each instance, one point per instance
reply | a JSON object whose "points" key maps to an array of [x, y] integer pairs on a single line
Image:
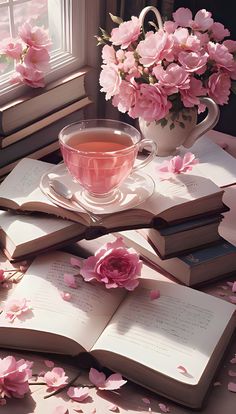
{"points": [[37, 58], [14, 377], [110, 80], [193, 61], [127, 96], [29, 75], [13, 50], [114, 265], [127, 33], [108, 54], [190, 97], [231, 45], [218, 32], [182, 16], [184, 41], [221, 55], [152, 104], [202, 20], [173, 78], [219, 87], [34, 36], [151, 48]]}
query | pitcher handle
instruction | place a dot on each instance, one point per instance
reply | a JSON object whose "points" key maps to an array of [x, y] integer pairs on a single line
{"points": [[155, 11], [153, 152], [208, 123]]}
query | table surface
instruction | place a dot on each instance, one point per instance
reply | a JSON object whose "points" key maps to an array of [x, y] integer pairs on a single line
{"points": [[132, 398]]}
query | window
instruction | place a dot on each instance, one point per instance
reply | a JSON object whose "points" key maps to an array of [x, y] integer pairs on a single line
{"points": [[65, 20]]}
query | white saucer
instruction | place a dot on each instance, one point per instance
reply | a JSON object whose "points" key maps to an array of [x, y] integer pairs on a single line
{"points": [[134, 191]]}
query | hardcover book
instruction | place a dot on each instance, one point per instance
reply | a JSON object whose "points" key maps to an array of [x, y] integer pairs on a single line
{"points": [[172, 202], [148, 341]]}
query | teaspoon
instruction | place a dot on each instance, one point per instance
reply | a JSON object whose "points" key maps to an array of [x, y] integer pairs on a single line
{"points": [[63, 191]]}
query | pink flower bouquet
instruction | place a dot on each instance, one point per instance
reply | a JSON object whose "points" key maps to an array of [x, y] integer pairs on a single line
{"points": [[30, 52], [167, 69]]}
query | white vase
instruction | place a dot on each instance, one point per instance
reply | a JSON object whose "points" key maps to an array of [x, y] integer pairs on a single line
{"points": [[170, 133]]}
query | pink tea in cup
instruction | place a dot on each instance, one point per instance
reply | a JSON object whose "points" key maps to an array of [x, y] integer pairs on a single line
{"points": [[100, 154]]}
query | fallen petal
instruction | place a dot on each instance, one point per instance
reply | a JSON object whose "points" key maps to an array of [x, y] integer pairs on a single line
{"points": [[60, 409], [113, 407], [75, 262], [49, 364], [182, 369], [232, 386], [146, 401], [155, 294], [65, 296], [232, 373]]}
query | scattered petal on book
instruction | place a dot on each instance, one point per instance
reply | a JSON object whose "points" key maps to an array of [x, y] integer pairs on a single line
{"points": [[234, 287], [70, 281], [232, 373], [182, 369], [176, 165], [154, 294], [66, 296], [113, 264], [55, 378], [232, 386], [113, 382], [78, 393], [15, 308], [164, 408], [217, 383], [49, 364], [75, 262], [60, 409]]}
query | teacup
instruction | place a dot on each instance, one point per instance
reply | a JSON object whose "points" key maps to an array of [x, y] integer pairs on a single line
{"points": [[100, 154]]}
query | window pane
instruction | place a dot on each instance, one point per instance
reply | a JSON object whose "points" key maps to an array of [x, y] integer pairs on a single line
{"points": [[34, 11], [6, 65]]}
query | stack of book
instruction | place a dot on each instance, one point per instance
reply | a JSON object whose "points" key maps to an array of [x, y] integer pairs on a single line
{"points": [[29, 126], [172, 345]]}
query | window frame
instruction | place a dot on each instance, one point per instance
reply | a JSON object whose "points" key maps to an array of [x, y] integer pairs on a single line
{"points": [[72, 56]]}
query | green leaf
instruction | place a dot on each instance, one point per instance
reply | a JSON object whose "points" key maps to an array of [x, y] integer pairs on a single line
{"points": [[163, 122], [105, 35], [172, 126], [116, 19]]}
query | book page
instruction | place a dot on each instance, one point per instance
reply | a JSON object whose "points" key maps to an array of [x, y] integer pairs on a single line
{"points": [[22, 186], [82, 319], [181, 328]]}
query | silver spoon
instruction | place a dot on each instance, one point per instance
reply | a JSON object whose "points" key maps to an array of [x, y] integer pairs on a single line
{"points": [[63, 191]]}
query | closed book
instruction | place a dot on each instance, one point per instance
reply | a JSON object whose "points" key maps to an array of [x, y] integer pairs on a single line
{"points": [[36, 104], [147, 341], [183, 237]]}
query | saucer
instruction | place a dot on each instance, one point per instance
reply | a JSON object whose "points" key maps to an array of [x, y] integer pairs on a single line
{"points": [[132, 192]]}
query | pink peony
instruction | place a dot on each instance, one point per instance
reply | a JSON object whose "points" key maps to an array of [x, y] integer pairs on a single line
{"points": [[152, 104], [218, 32], [55, 378], [14, 377], [108, 54], [37, 58], [151, 48], [114, 265], [193, 61], [126, 33], [221, 55], [15, 308], [28, 75], [110, 80], [202, 21], [126, 99], [34, 36], [219, 87], [13, 50], [183, 17], [190, 97], [173, 79]]}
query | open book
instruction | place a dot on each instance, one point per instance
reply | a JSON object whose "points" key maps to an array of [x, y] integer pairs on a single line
{"points": [[146, 340], [23, 236], [172, 201]]}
